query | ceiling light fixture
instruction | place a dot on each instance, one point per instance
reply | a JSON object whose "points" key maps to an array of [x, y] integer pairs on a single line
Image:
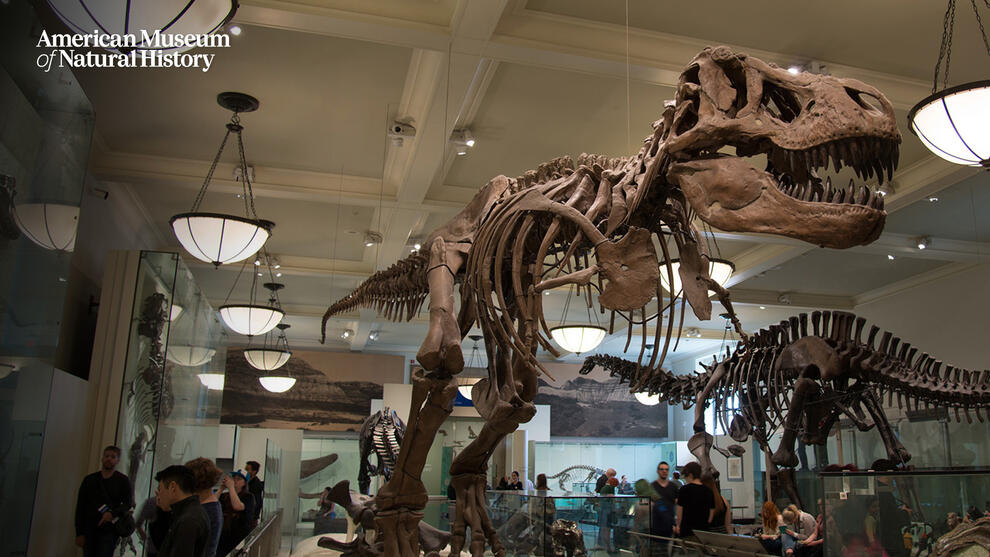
{"points": [[216, 237], [886, 189], [647, 399], [720, 270], [578, 338], [794, 70], [932, 199], [372, 238], [137, 17], [924, 242], [763, 307], [252, 319], [890, 257], [954, 122], [462, 141], [49, 225], [272, 354], [235, 30], [346, 334], [188, 355]]}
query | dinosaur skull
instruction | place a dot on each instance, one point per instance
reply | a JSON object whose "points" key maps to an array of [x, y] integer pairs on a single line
{"points": [[800, 122]]}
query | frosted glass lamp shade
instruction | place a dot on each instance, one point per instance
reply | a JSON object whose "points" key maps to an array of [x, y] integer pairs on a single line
{"points": [[219, 239], [277, 383], [578, 338], [49, 225], [955, 123], [249, 319], [266, 359], [133, 16], [189, 356], [647, 399], [465, 391], [719, 269], [212, 381]]}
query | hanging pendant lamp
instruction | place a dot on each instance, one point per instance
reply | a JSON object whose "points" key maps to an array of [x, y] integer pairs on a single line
{"points": [[646, 399], [720, 270], [252, 318], [50, 225], [578, 338], [270, 359], [216, 237], [188, 355], [212, 381], [954, 122], [137, 17]]}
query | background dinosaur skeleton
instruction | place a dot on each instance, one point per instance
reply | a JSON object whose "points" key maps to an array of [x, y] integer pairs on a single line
{"points": [[597, 224]]}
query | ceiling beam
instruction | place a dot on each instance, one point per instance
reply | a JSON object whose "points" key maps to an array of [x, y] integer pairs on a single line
{"points": [[900, 286]]}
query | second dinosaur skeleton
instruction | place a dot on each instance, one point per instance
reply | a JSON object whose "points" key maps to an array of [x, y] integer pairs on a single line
{"points": [[597, 223]]}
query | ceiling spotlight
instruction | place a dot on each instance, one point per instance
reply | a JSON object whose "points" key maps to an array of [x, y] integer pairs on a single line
{"points": [[462, 141], [932, 199], [890, 257], [346, 334], [235, 30], [417, 246], [692, 332], [261, 274], [885, 190], [794, 70], [546, 292], [373, 336], [371, 238], [257, 261], [763, 307], [278, 274], [924, 242]]}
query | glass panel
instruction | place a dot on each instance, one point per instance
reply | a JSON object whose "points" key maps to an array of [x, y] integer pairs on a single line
{"points": [[527, 523], [899, 514], [273, 480], [45, 137]]}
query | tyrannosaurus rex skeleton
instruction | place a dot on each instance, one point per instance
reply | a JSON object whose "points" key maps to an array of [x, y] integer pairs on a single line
{"points": [[595, 224]]}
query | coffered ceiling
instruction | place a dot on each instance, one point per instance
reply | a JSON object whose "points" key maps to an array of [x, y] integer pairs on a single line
{"points": [[532, 80]]}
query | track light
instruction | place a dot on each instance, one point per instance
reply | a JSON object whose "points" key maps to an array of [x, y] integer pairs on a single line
{"points": [[924, 242], [346, 334], [890, 257], [371, 238], [373, 336], [462, 141]]}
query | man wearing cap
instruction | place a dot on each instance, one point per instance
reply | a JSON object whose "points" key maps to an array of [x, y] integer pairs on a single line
{"points": [[237, 505]]}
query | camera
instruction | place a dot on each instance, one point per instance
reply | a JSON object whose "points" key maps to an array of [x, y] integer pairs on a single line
{"points": [[401, 129]]}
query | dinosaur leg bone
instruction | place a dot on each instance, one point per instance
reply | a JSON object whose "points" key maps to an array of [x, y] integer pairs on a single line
{"points": [[441, 349], [895, 450], [400, 499], [803, 389]]}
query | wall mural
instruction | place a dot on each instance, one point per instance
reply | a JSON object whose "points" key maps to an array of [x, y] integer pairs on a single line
{"points": [[321, 377], [596, 405]]}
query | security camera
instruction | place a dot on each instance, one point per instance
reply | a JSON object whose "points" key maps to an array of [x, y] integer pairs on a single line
{"points": [[401, 129]]}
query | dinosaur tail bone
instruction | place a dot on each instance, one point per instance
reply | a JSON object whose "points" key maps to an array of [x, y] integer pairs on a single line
{"points": [[397, 292]]}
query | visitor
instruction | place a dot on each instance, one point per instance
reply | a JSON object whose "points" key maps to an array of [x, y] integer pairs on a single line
{"points": [[514, 483], [722, 521], [812, 546], [770, 536], [104, 497], [605, 512], [238, 511], [207, 474], [157, 522], [641, 518], [625, 488], [800, 526], [189, 532], [257, 488], [610, 473], [503, 483], [664, 507], [541, 482], [695, 503], [893, 516], [528, 484], [677, 478]]}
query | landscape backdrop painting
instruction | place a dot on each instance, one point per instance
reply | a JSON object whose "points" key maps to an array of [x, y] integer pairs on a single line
{"points": [[333, 390], [596, 405]]}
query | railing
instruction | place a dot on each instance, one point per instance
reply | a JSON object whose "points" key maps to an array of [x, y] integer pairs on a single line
{"points": [[263, 541]]}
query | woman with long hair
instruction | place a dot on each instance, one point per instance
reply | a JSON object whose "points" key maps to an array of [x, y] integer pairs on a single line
{"points": [[722, 521], [770, 537]]}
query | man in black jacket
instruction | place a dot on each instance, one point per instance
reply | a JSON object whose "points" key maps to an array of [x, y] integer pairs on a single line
{"points": [[104, 497], [256, 486], [190, 528]]}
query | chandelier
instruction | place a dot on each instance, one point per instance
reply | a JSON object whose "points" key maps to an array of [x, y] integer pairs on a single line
{"points": [[252, 318], [954, 122], [196, 17], [271, 357], [216, 237], [189, 355], [49, 225], [212, 381], [465, 384], [646, 399], [578, 338], [720, 270]]}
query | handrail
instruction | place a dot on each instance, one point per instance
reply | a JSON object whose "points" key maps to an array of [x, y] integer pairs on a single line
{"points": [[244, 548], [703, 547]]}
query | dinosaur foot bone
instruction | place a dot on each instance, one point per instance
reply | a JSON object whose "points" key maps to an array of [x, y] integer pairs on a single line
{"points": [[470, 512], [700, 445], [399, 528], [785, 457]]}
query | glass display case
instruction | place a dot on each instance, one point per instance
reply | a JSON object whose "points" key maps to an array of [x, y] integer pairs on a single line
{"points": [[529, 522], [899, 514]]}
